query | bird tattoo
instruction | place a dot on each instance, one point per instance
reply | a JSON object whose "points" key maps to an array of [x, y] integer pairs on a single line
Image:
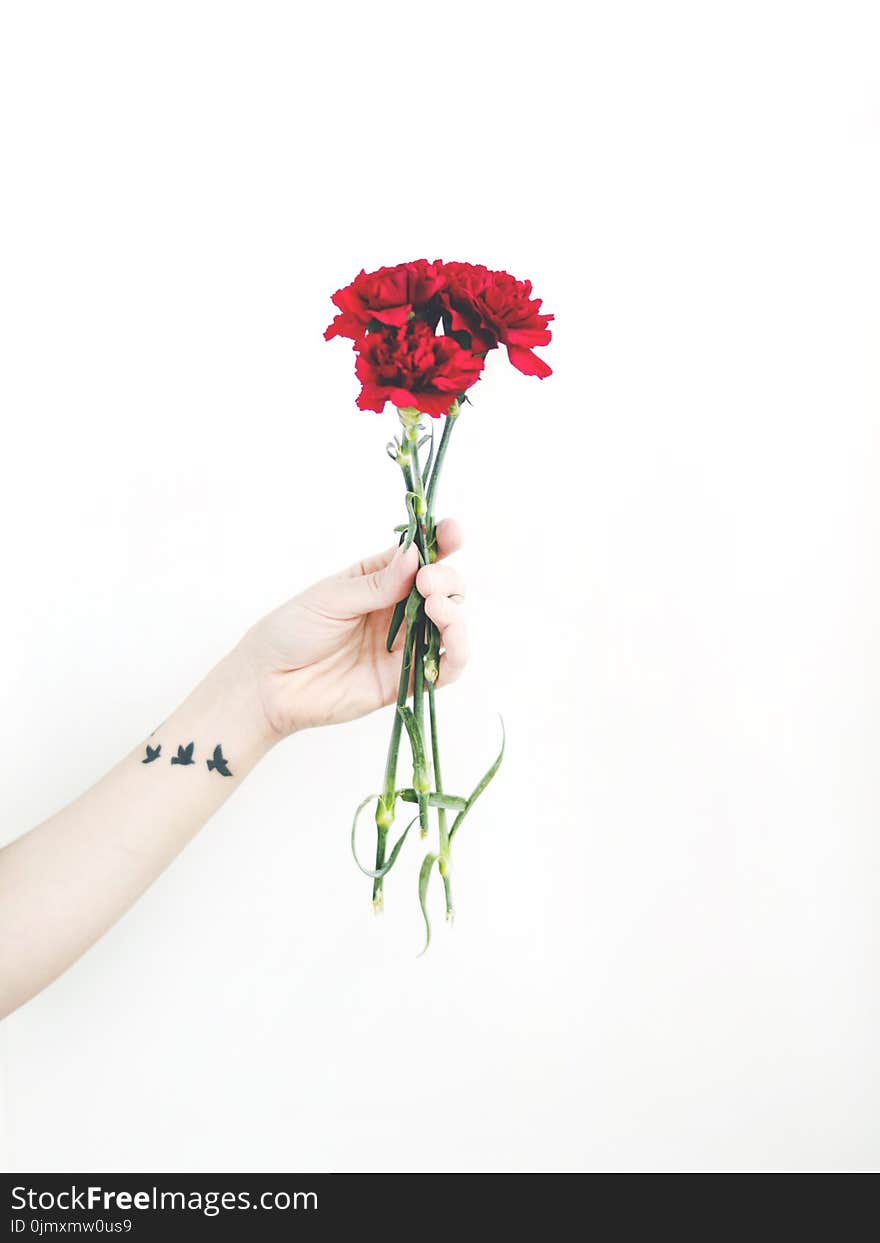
{"points": [[219, 763], [152, 753], [184, 755]]}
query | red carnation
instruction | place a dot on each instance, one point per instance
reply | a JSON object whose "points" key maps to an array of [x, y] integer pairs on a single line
{"points": [[411, 367], [495, 308], [387, 296]]}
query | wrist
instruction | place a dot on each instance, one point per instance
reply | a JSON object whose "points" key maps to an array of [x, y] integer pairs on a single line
{"points": [[226, 709], [258, 680], [241, 687]]}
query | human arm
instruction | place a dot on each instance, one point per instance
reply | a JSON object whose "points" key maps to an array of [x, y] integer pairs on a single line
{"points": [[319, 659]]}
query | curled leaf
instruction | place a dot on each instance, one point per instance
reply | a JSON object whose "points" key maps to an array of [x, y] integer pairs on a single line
{"points": [[481, 785], [424, 876], [413, 523], [377, 873]]}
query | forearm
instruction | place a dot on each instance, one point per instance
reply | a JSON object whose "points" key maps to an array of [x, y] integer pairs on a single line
{"points": [[63, 884]]}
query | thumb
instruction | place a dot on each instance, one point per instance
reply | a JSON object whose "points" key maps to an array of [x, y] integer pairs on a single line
{"points": [[364, 590]]}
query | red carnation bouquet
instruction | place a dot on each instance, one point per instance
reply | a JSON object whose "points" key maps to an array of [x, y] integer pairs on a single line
{"points": [[421, 334]]}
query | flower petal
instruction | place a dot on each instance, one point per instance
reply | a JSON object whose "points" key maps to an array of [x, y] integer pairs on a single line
{"points": [[528, 362]]}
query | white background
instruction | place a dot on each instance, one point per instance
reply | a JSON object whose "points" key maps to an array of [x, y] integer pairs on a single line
{"points": [[666, 950]]}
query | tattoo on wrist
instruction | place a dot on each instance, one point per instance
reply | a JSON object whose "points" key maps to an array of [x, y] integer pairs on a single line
{"points": [[218, 763]]}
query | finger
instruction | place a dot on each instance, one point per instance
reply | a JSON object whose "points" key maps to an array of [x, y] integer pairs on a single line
{"points": [[442, 580], [383, 581], [456, 651], [449, 538], [443, 611], [369, 565]]}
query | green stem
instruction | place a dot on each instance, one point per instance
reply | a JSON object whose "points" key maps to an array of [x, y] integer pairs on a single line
{"points": [[438, 775], [438, 461], [390, 783], [432, 661], [385, 804], [421, 501], [444, 861], [420, 641], [421, 637]]}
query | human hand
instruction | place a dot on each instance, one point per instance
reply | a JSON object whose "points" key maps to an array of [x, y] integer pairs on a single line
{"points": [[321, 659]]}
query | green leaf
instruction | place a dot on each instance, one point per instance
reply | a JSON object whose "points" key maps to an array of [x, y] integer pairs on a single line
{"points": [[450, 802], [376, 873], [426, 472], [481, 785], [396, 622], [413, 606], [413, 524], [424, 876], [415, 738]]}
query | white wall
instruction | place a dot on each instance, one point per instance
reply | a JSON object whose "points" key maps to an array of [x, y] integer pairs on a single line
{"points": [[666, 950]]}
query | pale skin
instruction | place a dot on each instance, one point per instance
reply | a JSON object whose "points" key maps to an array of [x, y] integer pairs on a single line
{"points": [[320, 659]]}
